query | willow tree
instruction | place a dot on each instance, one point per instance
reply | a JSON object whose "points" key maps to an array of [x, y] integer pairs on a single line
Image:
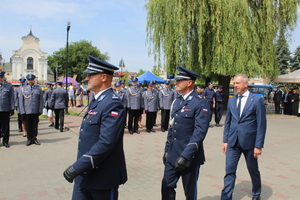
{"points": [[218, 38]]}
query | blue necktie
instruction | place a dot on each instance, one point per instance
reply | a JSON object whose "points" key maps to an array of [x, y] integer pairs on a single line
{"points": [[239, 105]]}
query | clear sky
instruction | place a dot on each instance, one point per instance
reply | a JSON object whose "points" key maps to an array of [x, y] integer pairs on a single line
{"points": [[117, 27]]}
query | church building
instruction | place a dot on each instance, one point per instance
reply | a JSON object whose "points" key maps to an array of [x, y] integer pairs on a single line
{"points": [[30, 58]]}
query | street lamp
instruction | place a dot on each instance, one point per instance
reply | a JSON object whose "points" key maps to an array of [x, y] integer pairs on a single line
{"points": [[67, 62], [121, 65], [55, 78]]}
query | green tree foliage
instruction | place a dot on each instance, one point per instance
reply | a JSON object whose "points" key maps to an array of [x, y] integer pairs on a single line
{"points": [[283, 53], [141, 71], [295, 62], [219, 38], [78, 58], [157, 70]]}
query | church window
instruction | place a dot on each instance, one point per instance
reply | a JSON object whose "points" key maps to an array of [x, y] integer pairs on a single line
{"points": [[30, 63]]}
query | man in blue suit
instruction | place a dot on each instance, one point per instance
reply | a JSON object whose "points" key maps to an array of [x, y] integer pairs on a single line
{"points": [[190, 116], [100, 167], [244, 133], [58, 104]]}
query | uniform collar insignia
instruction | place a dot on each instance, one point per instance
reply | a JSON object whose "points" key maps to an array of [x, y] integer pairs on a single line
{"points": [[190, 98], [102, 97]]}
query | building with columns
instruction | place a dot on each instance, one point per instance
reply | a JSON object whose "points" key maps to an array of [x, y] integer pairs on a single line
{"points": [[30, 58]]}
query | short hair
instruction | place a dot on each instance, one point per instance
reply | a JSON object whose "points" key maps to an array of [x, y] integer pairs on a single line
{"points": [[243, 76]]}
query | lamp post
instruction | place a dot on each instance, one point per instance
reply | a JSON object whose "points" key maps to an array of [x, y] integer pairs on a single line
{"points": [[121, 65], [67, 62], [55, 78]]}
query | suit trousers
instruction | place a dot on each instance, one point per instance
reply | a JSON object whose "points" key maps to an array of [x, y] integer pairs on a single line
{"points": [[277, 107], [32, 121], [218, 112], [233, 155], [59, 119], [5, 121], [150, 120], [165, 117], [211, 106], [133, 119], [189, 178], [80, 193]]}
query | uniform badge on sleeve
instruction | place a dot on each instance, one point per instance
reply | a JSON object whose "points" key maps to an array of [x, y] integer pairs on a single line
{"points": [[204, 110], [114, 114]]}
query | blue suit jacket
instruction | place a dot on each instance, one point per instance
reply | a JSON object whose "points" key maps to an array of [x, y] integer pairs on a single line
{"points": [[58, 98], [188, 130], [250, 128], [100, 160]]}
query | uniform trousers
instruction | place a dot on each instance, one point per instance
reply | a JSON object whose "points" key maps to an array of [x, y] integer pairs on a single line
{"points": [[165, 117], [218, 112], [20, 122], [133, 119], [150, 120], [80, 193], [59, 119], [211, 106], [4, 121], [277, 107], [233, 155], [32, 121], [189, 178]]}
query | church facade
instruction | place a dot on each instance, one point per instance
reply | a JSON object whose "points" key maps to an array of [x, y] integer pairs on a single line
{"points": [[29, 58]]}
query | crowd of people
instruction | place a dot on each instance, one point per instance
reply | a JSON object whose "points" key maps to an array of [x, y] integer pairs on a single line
{"points": [[287, 101], [30, 101]]}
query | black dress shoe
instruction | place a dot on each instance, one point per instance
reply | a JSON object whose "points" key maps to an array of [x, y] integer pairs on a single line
{"points": [[211, 126], [137, 132], [163, 130], [6, 144], [51, 125], [131, 132], [148, 130], [257, 198], [29, 142], [152, 130], [36, 142], [20, 130]]}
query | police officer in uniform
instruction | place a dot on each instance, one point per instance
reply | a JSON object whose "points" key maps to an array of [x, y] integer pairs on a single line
{"points": [[124, 100], [151, 105], [166, 97], [209, 94], [100, 167], [134, 100], [31, 104], [47, 96], [7, 106], [21, 118], [200, 90], [219, 105], [58, 104], [118, 91], [184, 152]]}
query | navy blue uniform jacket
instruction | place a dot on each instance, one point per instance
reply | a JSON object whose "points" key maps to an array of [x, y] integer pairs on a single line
{"points": [[101, 161], [250, 128], [189, 125]]}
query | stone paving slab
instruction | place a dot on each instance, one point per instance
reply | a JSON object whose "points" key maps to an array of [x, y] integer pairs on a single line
{"points": [[35, 172]]}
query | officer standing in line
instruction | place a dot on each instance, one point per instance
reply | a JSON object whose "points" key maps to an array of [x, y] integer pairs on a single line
{"points": [[31, 104], [7, 106], [21, 118], [166, 97], [100, 167], [58, 104], [47, 96], [200, 90], [219, 105], [151, 104], [134, 100], [155, 89], [124, 100], [184, 151], [209, 94]]}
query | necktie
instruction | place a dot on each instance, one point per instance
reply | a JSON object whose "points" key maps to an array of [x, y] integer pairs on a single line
{"points": [[239, 105]]}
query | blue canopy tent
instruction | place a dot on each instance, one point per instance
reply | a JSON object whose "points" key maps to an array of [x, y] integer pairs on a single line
{"points": [[148, 76]]}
